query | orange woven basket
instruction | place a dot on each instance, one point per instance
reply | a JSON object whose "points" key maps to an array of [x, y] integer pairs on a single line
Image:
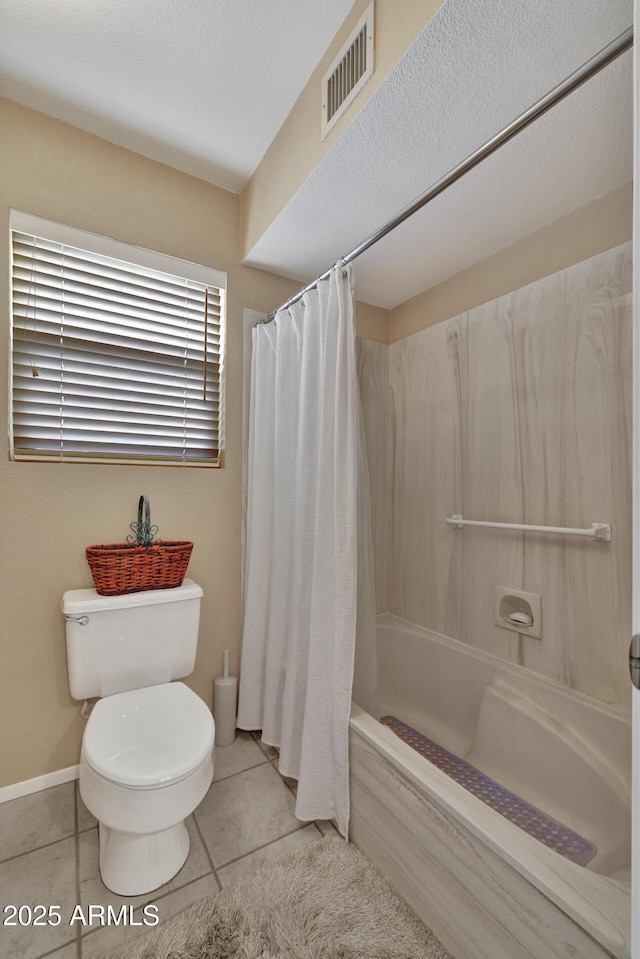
{"points": [[119, 568]]}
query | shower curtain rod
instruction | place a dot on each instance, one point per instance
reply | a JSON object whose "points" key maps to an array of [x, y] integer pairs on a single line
{"points": [[603, 58]]}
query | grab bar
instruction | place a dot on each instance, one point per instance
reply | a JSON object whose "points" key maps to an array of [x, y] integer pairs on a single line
{"points": [[599, 532]]}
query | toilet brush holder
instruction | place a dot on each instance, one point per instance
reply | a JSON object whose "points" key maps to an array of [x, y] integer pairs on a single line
{"points": [[225, 697]]}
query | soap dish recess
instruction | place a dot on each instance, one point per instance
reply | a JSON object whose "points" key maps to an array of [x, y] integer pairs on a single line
{"points": [[518, 611]]}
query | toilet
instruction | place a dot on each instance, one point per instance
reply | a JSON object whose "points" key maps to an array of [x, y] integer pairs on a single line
{"points": [[147, 751]]}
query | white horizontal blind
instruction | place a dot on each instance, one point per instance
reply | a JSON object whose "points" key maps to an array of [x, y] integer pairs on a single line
{"points": [[113, 360]]}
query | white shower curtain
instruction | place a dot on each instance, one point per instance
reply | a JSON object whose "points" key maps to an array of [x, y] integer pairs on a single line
{"points": [[301, 565]]}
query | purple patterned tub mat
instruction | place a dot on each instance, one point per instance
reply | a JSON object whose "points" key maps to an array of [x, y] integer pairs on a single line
{"points": [[549, 831]]}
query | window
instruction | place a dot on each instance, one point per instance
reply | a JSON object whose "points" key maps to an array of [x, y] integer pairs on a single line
{"points": [[117, 352]]}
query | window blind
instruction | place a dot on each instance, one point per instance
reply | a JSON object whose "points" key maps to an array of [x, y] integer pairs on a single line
{"points": [[113, 360]]}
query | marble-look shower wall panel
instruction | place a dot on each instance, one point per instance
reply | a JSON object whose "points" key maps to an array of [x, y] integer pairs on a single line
{"points": [[582, 433], [427, 382], [491, 488], [519, 411], [373, 377]]}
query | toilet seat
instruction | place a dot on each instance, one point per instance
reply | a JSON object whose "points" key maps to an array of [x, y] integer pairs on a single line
{"points": [[148, 738]]}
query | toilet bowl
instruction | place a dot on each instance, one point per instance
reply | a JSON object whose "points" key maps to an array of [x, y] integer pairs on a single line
{"points": [[146, 764], [147, 750]]}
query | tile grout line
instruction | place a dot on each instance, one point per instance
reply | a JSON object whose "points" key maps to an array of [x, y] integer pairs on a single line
{"points": [[263, 747], [92, 930], [54, 952], [294, 792], [265, 845], [76, 794], [45, 845], [207, 853], [77, 941], [290, 787], [223, 779], [170, 892]]}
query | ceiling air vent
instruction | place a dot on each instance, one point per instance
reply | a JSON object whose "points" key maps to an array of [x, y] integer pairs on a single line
{"points": [[348, 73]]}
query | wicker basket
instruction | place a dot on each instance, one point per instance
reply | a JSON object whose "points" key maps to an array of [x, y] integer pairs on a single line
{"points": [[119, 568]]}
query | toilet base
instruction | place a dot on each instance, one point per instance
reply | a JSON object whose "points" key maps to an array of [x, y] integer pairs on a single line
{"points": [[131, 865]]}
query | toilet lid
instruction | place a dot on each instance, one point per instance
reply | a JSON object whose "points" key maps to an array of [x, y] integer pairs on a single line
{"points": [[148, 737]]}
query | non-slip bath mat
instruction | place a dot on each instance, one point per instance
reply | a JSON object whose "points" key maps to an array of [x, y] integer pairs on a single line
{"points": [[549, 831]]}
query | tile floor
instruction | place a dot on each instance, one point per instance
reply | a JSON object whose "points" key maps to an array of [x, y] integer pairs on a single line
{"points": [[49, 854]]}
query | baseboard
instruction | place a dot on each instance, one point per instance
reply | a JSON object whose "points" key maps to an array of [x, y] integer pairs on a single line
{"points": [[36, 785]]}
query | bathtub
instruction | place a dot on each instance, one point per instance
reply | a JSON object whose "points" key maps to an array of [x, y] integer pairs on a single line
{"points": [[488, 889]]}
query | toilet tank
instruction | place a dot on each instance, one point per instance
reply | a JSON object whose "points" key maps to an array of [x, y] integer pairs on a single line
{"points": [[116, 643]]}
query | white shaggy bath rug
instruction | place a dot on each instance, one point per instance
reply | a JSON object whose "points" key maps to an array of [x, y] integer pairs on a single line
{"points": [[322, 901]]}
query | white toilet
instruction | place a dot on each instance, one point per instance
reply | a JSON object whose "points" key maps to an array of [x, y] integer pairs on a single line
{"points": [[147, 750]]}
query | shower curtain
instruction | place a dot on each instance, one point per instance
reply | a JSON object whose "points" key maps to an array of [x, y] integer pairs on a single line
{"points": [[301, 567]]}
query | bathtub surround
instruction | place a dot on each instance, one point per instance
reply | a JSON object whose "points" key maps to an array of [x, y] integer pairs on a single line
{"points": [[324, 899], [301, 565], [517, 411]]}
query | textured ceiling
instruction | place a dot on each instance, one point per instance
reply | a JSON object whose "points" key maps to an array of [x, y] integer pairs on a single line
{"points": [[476, 66], [202, 85]]}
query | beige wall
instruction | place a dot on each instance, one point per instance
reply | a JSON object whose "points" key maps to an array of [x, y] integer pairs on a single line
{"points": [[298, 148], [50, 512], [372, 322], [596, 227], [518, 410]]}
